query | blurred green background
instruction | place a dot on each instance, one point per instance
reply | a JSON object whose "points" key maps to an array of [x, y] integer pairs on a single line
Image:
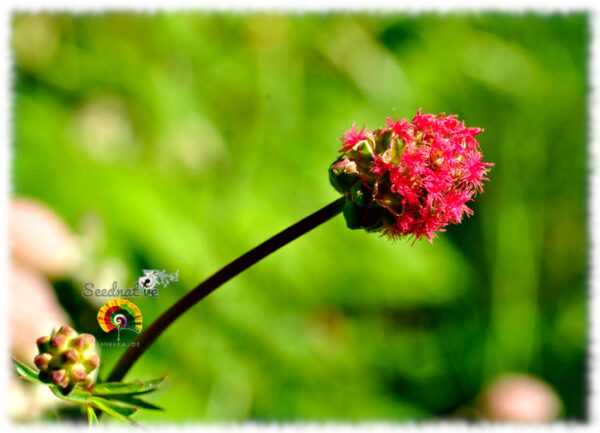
{"points": [[178, 141]]}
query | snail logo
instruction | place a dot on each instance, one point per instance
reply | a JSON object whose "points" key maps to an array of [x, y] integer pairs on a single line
{"points": [[120, 314], [154, 278], [148, 280]]}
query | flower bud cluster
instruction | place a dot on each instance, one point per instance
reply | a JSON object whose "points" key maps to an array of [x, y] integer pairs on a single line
{"points": [[66, 358]]}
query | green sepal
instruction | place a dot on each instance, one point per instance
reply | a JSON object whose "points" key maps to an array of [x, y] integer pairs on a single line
{"points": [[122, 413], [27, 373], [361, 153], [383, 141], [352, 214], [137, 387], [358, 194], [75, 396], [342, 182], [91, 414], [371, 218], [133, 401], [396, 150]]}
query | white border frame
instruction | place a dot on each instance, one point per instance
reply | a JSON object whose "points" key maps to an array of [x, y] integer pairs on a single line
{"points": [[540, 6]]}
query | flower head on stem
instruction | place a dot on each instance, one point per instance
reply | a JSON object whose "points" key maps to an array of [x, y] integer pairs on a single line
{"points": [[409, 178]]}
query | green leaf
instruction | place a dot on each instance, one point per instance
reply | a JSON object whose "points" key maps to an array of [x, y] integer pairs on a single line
{"points": [[27, 373], [134, 401], [122, 413], [138, 387], [92, 418], [75, 396]]}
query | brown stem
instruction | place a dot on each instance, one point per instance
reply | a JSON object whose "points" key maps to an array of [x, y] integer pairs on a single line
{"points": [[149, 336]]}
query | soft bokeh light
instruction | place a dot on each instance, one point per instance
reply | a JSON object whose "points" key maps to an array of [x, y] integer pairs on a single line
{"points": [[520, 398]]}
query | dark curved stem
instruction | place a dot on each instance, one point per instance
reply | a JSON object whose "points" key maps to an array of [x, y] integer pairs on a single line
{"points": [[149, 336]]}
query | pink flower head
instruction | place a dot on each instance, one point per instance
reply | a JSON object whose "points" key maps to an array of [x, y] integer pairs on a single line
{"points": [[409, 178]]}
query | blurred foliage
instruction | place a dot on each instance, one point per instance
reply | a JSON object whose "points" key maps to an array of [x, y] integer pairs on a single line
{"points": [[180, 140]]}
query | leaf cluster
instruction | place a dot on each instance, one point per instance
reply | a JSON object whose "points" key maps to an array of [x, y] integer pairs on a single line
{"points": [[118, 399]]}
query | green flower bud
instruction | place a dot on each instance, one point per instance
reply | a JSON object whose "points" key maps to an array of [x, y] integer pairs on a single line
{"points": [[370, 217], [395, 151], [78, 373], [343, 174], [82, 342], [43, 361], [67, 331], [43, 343], [60, 377], [91, 362], [344, 166], [360, 195], [87, 382], [383, 139], [362, 153], [352, 213], [58, 341], [70, 356]]}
